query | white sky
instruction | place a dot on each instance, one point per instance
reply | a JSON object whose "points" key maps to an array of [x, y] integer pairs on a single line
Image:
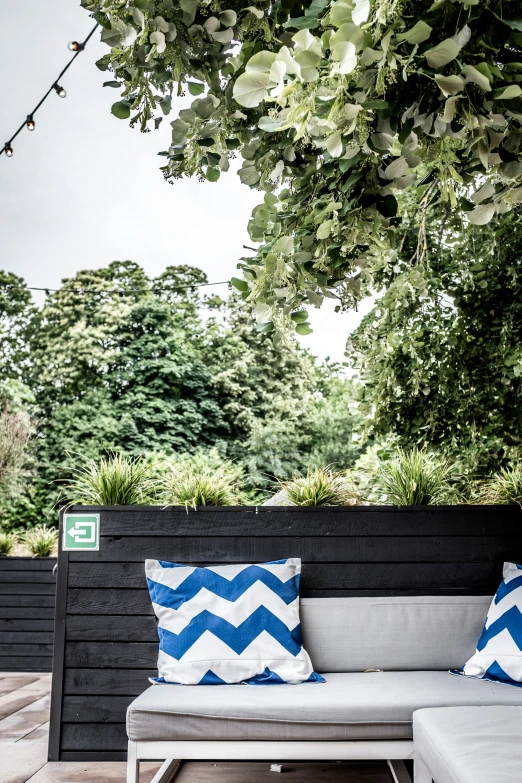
{"points": [[84, 189]]}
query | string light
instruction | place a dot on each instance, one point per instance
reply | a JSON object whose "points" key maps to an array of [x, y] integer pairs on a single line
{"points": [[119, 291], [29, 123], [60, 91]]}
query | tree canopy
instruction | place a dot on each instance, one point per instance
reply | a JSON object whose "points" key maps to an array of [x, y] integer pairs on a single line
{"points": [[116, 361], [337, 108]]}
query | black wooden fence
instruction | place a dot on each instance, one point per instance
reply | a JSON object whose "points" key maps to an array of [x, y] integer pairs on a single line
{"points": [[106, 640], [27, 597]]}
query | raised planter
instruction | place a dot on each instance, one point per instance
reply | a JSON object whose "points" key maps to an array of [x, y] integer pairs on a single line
{"points": [[27, 598], [106, 640]]}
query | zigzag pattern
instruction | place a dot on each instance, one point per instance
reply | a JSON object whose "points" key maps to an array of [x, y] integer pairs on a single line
{"points": [[238, 639], [215, 583], [510, 621], [229, 625], [507, 587], [499, 650]]}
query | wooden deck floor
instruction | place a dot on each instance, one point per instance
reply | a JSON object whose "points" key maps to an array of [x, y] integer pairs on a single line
{"points": [[24, 728]]}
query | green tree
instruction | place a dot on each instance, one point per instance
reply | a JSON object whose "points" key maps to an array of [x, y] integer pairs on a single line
{"points": [[440, 356]]}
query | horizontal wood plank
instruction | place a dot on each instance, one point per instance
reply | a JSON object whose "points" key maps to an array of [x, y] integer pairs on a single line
{"points": [[301, 521], [27, 613], [26, 663], [94, 736], [27, 563], [26, 601], [16, 623], [94, 755], [15, 578], [130, 553], [11, 649], [137, 628], [27, 637], [108, 682], [95, 709], [35, 588], [120, 655]]}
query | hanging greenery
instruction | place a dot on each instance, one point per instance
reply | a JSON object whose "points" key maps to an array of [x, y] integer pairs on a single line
{"points": [[336, 108]]}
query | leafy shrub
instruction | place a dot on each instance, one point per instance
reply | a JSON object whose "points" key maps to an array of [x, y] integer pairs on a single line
{"points": [[186, 485], [41, 540], [7, 542], [414, 478], [320, 487], [504, 487], [115, 480]]}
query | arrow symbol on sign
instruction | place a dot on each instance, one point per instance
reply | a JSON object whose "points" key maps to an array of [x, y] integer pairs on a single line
{"points": [[83, 532]]}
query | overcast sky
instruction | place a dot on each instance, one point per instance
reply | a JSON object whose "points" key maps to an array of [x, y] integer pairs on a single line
{"points": [[84, 189]]}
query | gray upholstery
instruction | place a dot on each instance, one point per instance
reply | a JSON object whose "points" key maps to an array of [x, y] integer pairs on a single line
{"points": [[471, 744], [347, 706], [394, 634]]}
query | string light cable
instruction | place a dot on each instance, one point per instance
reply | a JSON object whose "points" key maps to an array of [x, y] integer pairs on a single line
{"points": [[74, 46], [120, 291]]}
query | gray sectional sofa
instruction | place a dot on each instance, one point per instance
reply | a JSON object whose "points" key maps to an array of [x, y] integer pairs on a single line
{"points": [[383, 659]]}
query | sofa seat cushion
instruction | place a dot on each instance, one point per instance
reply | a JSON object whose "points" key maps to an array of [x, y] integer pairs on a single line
{"points": [[470, 744], [347, 706]]}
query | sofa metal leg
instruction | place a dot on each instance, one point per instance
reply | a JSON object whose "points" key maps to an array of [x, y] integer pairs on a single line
{"points": [[133, 764], [167, 772], [421, 773]]}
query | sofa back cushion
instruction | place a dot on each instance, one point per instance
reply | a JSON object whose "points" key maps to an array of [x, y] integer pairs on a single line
{"points": [[401, 633]]}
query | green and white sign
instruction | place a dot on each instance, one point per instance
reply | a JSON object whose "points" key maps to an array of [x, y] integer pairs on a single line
{"points": [[81, 531]]}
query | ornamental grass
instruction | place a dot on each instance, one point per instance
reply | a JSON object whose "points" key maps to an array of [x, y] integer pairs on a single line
{"points": [[414, 478], [320, 487], [505, 487], [7, 542], [41, 541], [115, 480], [186, 485]]}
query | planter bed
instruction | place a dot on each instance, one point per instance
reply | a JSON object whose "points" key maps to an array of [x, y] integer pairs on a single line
{"points": [[106, 640], [27, 599]]}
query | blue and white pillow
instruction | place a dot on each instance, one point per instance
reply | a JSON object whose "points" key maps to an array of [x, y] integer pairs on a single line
{"points": [[499, 650], [229, 623]]}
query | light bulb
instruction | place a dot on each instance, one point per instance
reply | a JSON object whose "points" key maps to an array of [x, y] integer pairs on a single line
{"points": [[60, 91], [8, 149], [74, 46], [30, 123]]}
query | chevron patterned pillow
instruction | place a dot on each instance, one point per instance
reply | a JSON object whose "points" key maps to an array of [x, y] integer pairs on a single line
{"points": [[229, 624], [499, 650]]}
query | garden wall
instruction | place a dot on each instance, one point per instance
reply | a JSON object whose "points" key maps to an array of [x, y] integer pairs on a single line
{"points": [[106, 640], [27, 598]]}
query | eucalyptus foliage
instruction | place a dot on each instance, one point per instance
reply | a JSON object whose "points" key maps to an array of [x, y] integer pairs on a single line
{"points": [[336, 108]]}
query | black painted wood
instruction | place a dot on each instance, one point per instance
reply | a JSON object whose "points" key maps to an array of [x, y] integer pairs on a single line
{"points": [[27, 599], [106, 638]]}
